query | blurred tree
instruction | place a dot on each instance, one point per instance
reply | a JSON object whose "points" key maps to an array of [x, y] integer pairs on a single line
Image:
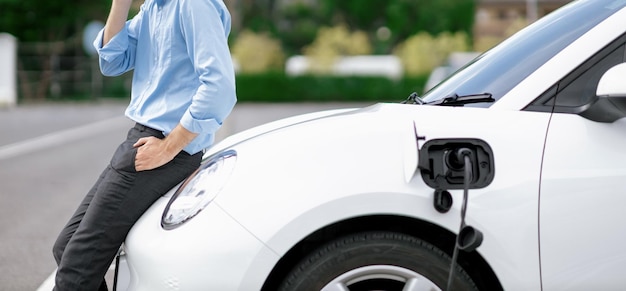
{"points": [[50, 57], [333, 42], [298, 25], [295, 22], [405, 17], [386, 21], [257, 53], [257, 15], [52, 20]]}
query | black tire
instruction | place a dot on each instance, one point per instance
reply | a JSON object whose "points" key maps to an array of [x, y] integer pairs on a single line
{"points": [[375, 261]]}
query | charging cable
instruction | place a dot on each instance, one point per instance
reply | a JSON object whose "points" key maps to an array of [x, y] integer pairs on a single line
{"points": [[463, 154]]}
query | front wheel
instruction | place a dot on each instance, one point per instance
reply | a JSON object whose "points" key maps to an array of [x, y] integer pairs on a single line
{"points": [[375, 261]]}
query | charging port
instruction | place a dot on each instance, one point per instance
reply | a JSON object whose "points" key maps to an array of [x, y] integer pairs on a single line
{"points": [[442, 167]]}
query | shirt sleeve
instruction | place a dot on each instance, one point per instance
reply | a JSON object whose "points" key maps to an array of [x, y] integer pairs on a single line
{"points": [[205, 25], [118, 55]]}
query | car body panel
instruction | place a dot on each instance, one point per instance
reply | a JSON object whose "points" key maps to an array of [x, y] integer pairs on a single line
{"points": [[323, 197], [582, 201]]}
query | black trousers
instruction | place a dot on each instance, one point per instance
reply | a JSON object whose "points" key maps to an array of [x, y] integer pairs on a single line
{"points": [[89, 242]]}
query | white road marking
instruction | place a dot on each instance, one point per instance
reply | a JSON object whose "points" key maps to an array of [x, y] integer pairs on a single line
{"points": [[48, 284], [59, 137]]}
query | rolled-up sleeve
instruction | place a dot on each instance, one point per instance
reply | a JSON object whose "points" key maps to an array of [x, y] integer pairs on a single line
{"points": [[206, 25], [118, 55]]}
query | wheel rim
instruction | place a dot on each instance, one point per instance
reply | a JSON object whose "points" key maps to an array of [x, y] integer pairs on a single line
{"points": [[382, 276]]}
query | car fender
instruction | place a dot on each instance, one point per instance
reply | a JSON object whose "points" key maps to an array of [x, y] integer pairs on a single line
{"points": [[315, 178]]}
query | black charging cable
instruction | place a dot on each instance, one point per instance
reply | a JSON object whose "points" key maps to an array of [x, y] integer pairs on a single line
{"points": [[117, 267], [462, 154]]}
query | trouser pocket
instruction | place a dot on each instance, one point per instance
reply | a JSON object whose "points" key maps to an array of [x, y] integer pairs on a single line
{"points": [[124, 157]]}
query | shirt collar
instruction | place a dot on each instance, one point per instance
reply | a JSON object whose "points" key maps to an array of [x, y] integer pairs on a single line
{"points": [[160, 2]]}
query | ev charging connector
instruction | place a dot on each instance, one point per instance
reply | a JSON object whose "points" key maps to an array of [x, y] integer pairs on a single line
{"points": [[447, 164]]}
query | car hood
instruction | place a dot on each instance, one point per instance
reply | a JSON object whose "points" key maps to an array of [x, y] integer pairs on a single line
{"points": [[251, 133], [377, 131]]}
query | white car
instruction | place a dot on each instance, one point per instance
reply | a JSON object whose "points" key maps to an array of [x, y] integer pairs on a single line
{"points": [[531, 132]]}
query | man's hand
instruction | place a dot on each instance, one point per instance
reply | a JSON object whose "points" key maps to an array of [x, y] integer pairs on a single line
{"points": [[153, 152]]}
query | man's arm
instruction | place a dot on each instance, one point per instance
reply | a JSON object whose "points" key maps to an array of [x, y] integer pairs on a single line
{"points": [[153, 152], [117, 19], [117, 42], [206, 25]]}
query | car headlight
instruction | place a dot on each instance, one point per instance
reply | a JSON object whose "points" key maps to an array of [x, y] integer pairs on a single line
{"points": [[199, 189]]}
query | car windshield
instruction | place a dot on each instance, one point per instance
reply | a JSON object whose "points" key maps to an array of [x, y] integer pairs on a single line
{"points": [[498, 70]]}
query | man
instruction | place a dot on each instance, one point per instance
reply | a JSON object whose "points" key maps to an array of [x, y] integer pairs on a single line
{"points": [[183, 88]]}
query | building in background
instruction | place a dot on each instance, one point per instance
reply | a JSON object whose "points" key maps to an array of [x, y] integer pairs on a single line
{"points": [[497, 19]]}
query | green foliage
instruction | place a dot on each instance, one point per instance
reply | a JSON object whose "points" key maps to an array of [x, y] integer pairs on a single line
{"points": [[297, 23], [257, 52], [333, 42], [257, 14], [278, 87], [404, 17], [262, 88], [422, 52], [298, 26], [36, 21]]}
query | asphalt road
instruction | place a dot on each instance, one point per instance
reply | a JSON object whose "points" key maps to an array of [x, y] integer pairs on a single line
{"points": [[50, 154]]}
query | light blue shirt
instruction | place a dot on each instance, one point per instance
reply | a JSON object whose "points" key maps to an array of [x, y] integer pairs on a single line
{"points": [[183, 71]]}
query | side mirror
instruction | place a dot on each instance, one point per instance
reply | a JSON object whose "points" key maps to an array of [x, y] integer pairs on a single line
{"points": [[613, 82], [610, 104]]}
